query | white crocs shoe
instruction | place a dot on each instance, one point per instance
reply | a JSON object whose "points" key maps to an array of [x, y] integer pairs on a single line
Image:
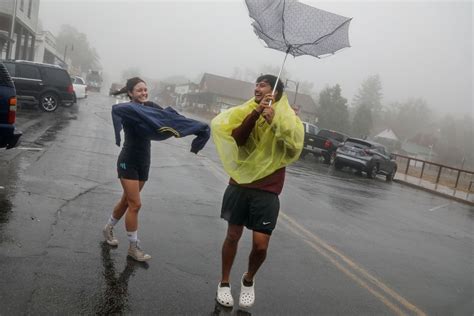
{"points": [[247, 294], [224, 296]]}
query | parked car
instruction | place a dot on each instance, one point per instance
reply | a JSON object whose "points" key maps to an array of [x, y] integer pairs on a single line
{"points": [[366, 156], [9, 135], [324, 144], [310, 131], [43, 84], [80, 87], [94, 80]]}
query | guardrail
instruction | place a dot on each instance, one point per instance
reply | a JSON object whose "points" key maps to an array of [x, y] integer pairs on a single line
{"points": [[453, 178]]}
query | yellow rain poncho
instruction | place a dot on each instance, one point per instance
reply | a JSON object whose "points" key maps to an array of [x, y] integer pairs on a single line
{"points": [[268, 148]]}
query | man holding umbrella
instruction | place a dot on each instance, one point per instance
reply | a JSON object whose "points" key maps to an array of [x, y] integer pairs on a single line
{"points": [[255, 142]]}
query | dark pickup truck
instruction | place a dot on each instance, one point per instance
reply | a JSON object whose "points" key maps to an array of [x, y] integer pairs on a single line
{"points": [[9, 135], [321, 142]]}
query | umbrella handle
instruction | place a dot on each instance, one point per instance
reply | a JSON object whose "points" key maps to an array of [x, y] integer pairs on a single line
{"points": [[279, 73]]}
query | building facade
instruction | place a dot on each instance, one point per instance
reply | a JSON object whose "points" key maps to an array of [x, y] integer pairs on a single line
{"points": [[216, 93], [21, 17], [46, 50]]}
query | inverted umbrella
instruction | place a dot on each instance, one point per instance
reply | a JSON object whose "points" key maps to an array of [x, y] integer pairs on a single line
{"points": [[298, 29]]}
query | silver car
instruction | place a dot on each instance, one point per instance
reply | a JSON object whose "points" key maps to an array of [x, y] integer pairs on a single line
{"points": [[366, 156]]}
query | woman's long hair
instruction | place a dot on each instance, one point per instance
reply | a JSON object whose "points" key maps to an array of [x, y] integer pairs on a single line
{"points": [[131, 83]]}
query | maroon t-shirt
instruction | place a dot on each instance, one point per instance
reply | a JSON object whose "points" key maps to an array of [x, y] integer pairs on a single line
{"points": [[271, 183]]}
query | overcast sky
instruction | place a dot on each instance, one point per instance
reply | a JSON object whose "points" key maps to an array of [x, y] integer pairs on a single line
{"points": [[419, 48]]}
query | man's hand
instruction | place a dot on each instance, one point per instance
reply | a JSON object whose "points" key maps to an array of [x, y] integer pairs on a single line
{"points": [[268, 114], [265, 109]]}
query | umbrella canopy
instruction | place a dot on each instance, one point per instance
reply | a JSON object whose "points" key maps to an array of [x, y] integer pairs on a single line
{"points": [[298, 29]]}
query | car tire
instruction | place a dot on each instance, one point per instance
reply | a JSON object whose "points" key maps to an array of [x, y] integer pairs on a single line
{"points": [[389, 177], [337, 165], [49, 102], [372, 172]]}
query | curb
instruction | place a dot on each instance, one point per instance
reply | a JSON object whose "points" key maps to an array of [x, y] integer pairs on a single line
{"points": [[451, 197]]}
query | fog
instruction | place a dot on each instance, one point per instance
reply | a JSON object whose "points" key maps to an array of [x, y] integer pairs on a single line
{"points": [[419, 49]]}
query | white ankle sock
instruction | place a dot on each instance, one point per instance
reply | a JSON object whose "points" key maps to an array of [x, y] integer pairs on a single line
{"points": [[133, 236], [112, 221]]}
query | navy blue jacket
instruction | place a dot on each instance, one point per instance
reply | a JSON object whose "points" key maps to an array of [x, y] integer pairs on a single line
{"points": [[155, 123]]}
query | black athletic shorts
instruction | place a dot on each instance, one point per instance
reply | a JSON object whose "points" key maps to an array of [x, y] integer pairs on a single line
{"points": [[133, 171], [255, 209]]}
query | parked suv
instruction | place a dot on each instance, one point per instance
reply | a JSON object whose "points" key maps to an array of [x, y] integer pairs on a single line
{"points": [[43, 84], [310, 131], [9, 135], [367, 156], [322, 143]]}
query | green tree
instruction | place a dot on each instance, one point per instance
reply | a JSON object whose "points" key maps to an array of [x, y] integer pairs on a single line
{"points": [[76, 46], [362, 123], [333, 113], [370, 94]]}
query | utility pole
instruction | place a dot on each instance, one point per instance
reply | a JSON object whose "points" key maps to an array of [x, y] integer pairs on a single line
{"points": [[12, 30], [296, 91]]}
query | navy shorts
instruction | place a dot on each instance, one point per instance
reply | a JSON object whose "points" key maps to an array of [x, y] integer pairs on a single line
{"points": [[133, 171], [255, 209]]}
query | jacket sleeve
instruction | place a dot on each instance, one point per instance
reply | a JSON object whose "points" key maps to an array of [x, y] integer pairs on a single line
{"points": [[242, 133], [202, 136], [117, 122]]}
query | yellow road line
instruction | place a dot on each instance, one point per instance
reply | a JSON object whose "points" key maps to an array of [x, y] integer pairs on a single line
{"points": [[346, 271], [317, 244]]}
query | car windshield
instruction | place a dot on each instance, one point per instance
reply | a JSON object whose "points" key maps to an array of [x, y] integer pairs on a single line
{"points": [[78, 80], [312, 129], [357, 144], [331, 134]]}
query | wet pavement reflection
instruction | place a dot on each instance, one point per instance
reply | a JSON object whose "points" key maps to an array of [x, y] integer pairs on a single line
{"points": [[220, 310], [114, 299], [5, 209]]}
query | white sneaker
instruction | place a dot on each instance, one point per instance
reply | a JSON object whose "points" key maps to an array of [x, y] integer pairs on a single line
{"points": [[247, 294], [137, 253], [224, 296], [109, 235]]}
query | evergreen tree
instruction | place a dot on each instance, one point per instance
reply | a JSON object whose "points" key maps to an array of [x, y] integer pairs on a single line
{"points": [[370, 94], [333, 113], [362, 123]]}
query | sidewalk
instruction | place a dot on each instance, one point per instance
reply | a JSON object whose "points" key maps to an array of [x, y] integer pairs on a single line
{"points": [[450, 193]]}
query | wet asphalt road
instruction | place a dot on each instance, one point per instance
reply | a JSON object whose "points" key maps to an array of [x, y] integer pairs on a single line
{"points": [[344, 244]]}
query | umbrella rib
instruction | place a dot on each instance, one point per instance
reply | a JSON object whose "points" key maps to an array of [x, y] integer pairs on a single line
{"points": [[283, 26], [326, 35], [260, 28]]}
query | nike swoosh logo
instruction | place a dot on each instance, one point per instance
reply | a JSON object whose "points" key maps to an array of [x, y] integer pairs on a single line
{"points": [[266, 223]]}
